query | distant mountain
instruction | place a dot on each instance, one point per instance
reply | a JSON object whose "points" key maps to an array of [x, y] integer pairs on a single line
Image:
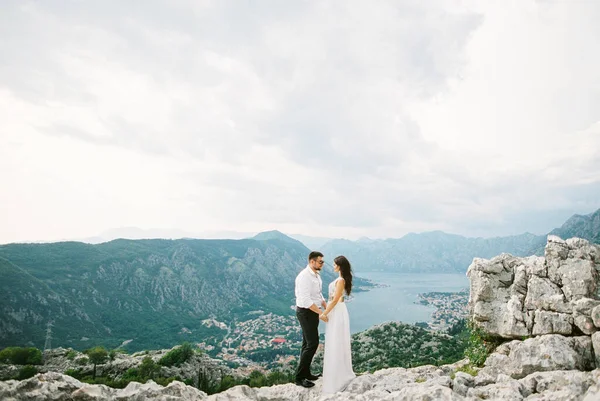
{"points": [[427, 252], [439, 252], [151, 291], [277, 236], [587, 227], [312, 243], [149, 233]]}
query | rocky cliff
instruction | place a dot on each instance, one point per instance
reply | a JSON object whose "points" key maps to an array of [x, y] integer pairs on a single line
{"points": [[544, 308]]}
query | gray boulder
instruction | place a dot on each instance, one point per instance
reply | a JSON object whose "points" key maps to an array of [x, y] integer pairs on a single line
{"points": [[58, 387], [514, 297], [550, 352]]}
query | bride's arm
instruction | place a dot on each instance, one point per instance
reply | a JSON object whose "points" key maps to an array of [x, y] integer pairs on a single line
{"points": [[339, 289]]}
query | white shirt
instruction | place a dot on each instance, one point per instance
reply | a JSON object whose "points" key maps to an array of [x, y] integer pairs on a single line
{"points": [[308, 288]]}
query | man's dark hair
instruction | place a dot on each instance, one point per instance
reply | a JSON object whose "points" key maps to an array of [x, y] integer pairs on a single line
{"points": [[314, 255]]}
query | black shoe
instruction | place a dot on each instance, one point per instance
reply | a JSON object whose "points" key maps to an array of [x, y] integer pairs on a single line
{"points": [[313, 377], [304, 383]]}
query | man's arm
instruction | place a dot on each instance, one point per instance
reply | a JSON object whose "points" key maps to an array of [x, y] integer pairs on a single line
{"points": [[304, 300], [323, 302], [315, 309]]}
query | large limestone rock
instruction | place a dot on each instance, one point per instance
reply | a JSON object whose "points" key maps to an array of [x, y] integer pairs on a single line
{"points": [[58, 387], [593, 392], [513, 297], [517, 359], [46, 386], [565, 384]]}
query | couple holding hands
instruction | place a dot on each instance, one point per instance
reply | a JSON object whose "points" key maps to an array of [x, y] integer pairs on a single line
{"points": [[337, 358]]}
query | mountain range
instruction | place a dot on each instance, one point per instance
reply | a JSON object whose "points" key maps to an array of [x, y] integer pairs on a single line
{"points": [[439, 252], [154, 292], [434, 251]]}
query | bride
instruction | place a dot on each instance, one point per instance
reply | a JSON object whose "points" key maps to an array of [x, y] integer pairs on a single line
{"points": [[337, 358]]}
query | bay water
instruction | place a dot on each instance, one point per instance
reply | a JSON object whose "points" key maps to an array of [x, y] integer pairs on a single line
{"points": [[396, 301]]}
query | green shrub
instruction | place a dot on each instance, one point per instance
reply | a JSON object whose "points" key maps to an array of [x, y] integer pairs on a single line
{"points": [[278, 377], [148, 369], [21, 356], [177, 356], [26, 372], [83, 361], [227, 382], [71, 355], [479, 345], [469, 370], [73, 373], [257, 379], [133, 375], [164, 381]]}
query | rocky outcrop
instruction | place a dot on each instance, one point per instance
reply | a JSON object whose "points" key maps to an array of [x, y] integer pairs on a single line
{"points": [[513, 297], [553, 298], [443, 383], [551, 352]]}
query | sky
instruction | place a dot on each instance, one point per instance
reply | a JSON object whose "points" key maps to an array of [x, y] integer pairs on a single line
{"points": [[323, 118]]}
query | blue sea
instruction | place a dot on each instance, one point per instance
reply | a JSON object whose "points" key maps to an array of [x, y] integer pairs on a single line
{"points": [[397, 301]]}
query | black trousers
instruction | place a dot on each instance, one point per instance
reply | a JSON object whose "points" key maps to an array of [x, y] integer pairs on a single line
{"points": [[309, 321]]}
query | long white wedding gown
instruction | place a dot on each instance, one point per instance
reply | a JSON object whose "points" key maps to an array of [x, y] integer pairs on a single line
{"points": [[337, 358]]}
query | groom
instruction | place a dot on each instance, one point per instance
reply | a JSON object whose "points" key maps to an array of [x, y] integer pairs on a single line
{"points": [[308, 296]]}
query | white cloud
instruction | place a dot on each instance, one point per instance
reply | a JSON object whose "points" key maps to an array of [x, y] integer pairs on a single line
{"points": [[326, 118]]}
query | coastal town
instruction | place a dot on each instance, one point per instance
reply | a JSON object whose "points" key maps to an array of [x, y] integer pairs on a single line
{"points": [[264, 342], [450, 307]]}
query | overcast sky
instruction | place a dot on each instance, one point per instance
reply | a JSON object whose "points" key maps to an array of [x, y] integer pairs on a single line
{"points": [[327, 118]]}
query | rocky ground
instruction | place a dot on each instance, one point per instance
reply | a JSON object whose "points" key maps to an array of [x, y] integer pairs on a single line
{"points": [[447, 382], [62, 359], [547, 309]]}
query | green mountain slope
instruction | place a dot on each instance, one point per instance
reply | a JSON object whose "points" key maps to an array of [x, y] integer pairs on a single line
{"points": [[154, 292], [27, 304]]}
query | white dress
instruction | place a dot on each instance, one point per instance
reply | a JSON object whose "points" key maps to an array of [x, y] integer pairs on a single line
{"points": [[337, 358]]}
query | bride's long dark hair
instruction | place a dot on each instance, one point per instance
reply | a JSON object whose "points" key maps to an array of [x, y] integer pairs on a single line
{"points": [[346, 271]]}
